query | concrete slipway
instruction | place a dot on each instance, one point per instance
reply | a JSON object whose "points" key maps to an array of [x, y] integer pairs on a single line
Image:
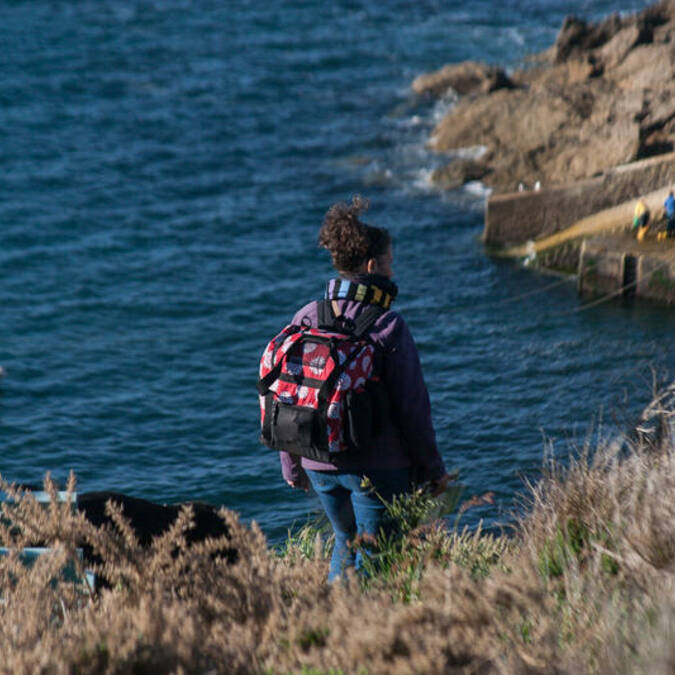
{"points": [[584, 228]]}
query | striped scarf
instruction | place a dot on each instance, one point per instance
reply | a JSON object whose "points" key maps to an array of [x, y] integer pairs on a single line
{"points": [[370, 289]]}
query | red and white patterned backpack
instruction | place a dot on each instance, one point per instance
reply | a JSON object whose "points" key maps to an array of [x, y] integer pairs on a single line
{"points": [[320, 394]]}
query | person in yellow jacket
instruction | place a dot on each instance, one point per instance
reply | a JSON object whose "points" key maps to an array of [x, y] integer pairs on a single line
{"points": [[641, 219]]}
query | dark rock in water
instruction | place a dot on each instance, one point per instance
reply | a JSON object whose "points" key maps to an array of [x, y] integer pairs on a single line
{"points": [[148, 519]]}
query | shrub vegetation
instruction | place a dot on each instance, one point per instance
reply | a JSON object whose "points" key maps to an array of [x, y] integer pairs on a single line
{"points": [[584, 584]]}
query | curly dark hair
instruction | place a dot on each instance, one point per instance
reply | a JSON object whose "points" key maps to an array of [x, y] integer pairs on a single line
{"points": [[350, 241]]}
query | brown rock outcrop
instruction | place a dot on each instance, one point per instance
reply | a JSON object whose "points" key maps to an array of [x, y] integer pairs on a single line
{"points": [[576, 38], [459, 172], [603, 95], [464, 78]]}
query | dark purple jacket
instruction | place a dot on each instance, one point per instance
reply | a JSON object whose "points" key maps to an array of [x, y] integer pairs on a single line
{"points": [[408, 440]]}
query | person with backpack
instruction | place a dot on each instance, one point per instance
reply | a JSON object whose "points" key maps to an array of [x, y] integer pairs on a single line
{"points": [[342, 393]]}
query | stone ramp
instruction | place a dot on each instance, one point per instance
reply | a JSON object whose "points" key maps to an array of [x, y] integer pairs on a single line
{"points": [[615, 220], [515, 218]]}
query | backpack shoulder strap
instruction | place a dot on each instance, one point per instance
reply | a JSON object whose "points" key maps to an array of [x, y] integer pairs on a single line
{"points": [[264, 383], [327, 318], [364, 322], [325, 314]]}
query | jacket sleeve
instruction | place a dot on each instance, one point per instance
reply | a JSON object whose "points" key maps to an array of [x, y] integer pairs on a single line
{"points": [[410, 400], [291, 468]]}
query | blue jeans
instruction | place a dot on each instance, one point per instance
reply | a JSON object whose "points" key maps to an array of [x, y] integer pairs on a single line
{"points": [[353, 509]]}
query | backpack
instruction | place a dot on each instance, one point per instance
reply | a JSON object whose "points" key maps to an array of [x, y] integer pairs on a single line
{"points": [[319, 388]]}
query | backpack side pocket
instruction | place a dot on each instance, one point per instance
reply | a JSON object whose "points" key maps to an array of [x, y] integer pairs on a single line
{"points": [[299, 430]]}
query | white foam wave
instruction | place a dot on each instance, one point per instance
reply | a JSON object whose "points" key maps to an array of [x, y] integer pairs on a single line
{"points": [[516, 35], [477, 188], [433, 141], [422, 180], [531, 256], [413, 122], [470, 152], [376, 174], [444, 105]]}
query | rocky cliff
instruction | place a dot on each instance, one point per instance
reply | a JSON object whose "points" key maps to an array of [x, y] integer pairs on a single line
{"points": [[603, 95]]}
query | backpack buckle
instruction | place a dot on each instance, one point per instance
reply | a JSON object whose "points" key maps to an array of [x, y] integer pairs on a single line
{"points": [[348, 325]]}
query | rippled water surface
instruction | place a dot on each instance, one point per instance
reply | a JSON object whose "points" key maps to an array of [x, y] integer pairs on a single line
{"points": [[164, 169]]}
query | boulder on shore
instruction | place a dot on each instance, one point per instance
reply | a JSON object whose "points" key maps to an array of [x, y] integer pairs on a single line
{"points": [[148, 519], [458, 173], [463, 78], [603, 95]]}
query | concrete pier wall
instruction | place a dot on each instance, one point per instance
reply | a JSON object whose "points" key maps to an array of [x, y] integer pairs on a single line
{"points": [[600, 270], [610, 265], [517, 217], [656, 280]]}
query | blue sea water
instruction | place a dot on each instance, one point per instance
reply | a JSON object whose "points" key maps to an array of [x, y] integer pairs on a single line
{"points": [[164, 168]]}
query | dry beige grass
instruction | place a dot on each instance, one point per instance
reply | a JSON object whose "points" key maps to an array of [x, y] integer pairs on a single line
{"points": [[586, 585]]}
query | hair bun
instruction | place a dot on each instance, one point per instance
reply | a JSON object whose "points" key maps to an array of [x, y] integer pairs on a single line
{"points": [[344, 235]]}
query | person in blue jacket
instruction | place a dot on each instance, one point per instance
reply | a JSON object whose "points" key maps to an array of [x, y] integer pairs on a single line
{"points": [[669, 206]]}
